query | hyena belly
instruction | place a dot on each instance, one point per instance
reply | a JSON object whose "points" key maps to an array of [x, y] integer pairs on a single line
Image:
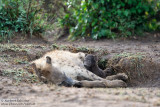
{"points": [[75, 72]]}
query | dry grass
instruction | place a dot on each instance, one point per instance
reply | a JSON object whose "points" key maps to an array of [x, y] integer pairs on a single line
{"points": [[138, 67]]}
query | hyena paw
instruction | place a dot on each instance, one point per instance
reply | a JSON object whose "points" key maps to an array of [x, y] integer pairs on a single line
{"points": [[116, 84], [122, 76]]}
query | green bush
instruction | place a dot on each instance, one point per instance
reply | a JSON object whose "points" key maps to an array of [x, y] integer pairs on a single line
{"points": [[20, 16], [111, 18]]}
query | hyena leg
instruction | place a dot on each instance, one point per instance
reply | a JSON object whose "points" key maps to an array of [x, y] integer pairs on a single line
{"points": [[87, 75], [101, 84], [119, 76], [90, 84]]}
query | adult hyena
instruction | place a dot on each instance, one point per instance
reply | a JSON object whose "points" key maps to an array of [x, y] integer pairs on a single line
{"points": [[66, 68]]}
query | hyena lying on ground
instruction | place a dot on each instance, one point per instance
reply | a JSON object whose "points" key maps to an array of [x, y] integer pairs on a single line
{"points": [[66, 68]]}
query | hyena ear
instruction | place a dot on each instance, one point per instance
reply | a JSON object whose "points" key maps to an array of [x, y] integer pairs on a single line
{"points": [[48, 60], [86, 54], [33, 65]]}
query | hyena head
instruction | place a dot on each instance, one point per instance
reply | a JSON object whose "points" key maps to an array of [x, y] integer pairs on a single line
{"points": [[43, 67], [90, 61]]}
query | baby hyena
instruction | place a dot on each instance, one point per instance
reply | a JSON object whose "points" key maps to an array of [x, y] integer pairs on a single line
{"points": [[91, 64], [66, 68]]}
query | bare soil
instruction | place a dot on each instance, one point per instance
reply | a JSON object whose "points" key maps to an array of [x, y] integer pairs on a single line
{"points": [[142, 91]]}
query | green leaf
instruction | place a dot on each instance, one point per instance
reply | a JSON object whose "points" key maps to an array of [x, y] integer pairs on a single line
{"points": [[102, 1], [126, 13]]}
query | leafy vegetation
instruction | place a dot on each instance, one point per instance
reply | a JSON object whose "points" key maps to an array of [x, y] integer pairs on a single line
{"points": [[111, 18], [20, 16], [86, 18]]}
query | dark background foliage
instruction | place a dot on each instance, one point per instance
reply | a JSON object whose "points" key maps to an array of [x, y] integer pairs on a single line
{"points": [[112, 18], [87, 18]]}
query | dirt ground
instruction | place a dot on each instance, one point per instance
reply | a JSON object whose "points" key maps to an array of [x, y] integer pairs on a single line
{"points": [[16, 55]]}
